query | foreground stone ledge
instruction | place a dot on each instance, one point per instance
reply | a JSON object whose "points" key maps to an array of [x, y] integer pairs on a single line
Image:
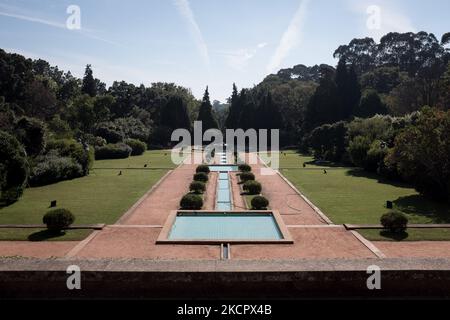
{"points": [[151, 279]]}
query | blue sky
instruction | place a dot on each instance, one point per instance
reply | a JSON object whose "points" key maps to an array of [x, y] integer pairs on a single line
{"points": [[196, 43]]}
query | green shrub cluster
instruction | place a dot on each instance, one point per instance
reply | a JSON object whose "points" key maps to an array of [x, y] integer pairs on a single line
{"points": [[244, 168], [202, 168], [197, 187], [137, 146], [52, 168], [113, 151], [246, 176]]}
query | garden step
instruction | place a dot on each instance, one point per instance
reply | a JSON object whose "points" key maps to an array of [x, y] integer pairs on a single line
{"points": [[379, 226]]}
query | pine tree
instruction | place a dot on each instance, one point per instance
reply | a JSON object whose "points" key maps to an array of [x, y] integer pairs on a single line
{"points": [[205, 114], [89, 84], [349, 90], [234, 111]]}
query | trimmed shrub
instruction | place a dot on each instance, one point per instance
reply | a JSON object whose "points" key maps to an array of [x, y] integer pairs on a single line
{"points": [[53, 168], [113, 151], [252, 187], [202, 168], [197, 187], [201, 176], [244, 168], [246, 176], [259, 203], [137, 146], [58, 219], [191, 202], [394, 221], [109, 132]]}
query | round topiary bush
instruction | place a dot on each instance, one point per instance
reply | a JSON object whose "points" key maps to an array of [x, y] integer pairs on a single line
{"points": [[246, 176], [259, 203], [201, 176], [58, 219], [244, 168], [202, 168], [191, 202], [137, 146], [197, 187], [252, 187], [394, 221]]}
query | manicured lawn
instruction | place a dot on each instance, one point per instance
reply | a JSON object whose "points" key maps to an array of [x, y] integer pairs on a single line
{"points": [[349, 195], [153, 159], [101, 197]]}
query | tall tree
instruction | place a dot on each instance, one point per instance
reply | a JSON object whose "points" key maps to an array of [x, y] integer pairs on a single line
{"points": [[205, 114], [175, 114], [89, 84], [348, 88], [234, 111]]}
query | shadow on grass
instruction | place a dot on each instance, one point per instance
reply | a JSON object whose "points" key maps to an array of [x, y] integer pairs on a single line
{"points": [[45, 235], [361, 173], [419, 205], [397, 236]]}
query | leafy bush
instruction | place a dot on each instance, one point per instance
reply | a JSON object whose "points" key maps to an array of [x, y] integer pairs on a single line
{"points": [[113, 151], [197, 187], [132, 128], [137, 147], [110, 132], [421, 154], [394, 221], [201, 176], [58, 219], [14, 168], [52, 169], [73, 149], [244, 167], [202, 168], [191, 202], [31, 132], [259, 203], [246, 176], [252, 187]]}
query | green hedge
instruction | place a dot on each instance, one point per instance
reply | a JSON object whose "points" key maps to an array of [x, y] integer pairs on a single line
{"points": [[113, 151]]}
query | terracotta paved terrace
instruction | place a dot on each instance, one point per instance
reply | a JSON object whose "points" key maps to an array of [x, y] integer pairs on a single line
{"points": [[135, 233]]}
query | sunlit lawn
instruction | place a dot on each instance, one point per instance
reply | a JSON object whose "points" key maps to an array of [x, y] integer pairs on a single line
{"points": [[349, 195], [101, 197]]}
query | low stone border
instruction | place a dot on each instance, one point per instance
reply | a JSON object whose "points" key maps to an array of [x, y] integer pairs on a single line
{"points": [[410, 226], [99, 226], [369, 245]]}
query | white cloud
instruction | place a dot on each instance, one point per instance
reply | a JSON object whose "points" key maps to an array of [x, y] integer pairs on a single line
{"points": [[291, 37], [240, 58], [186, 12], [262, 45], [393, 19]]}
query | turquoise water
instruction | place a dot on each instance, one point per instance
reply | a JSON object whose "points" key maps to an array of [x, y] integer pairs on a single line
{"points": [[223, 196], [217, 226], [223, 168]]}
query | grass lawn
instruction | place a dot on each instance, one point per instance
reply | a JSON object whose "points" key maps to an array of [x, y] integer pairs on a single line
{"points": [[350, 195], [101, 197]]}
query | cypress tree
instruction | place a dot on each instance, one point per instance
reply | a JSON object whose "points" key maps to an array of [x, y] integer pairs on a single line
{"points": [[89, 84], [205, 114], [234, 111]]}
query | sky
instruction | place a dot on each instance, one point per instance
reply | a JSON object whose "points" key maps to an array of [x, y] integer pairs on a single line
{"points": [[196, 43]]}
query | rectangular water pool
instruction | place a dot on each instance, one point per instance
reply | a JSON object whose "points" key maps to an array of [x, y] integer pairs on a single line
{"points": [[227, 227], [224, 168]]}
